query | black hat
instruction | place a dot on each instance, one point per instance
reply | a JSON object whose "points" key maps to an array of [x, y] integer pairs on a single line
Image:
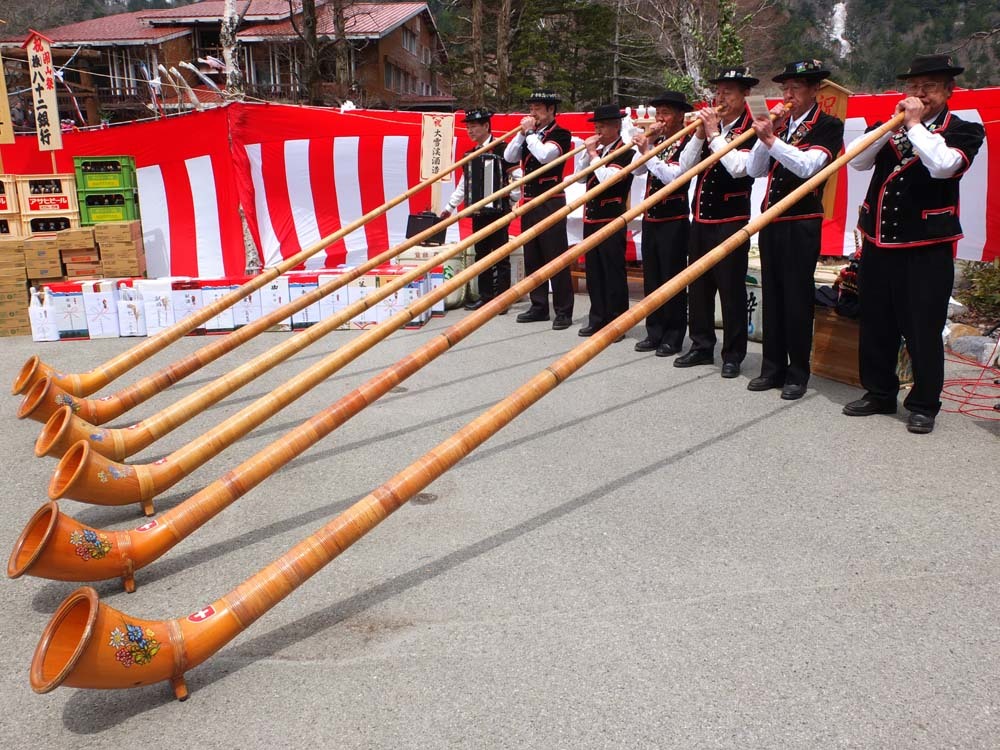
{"points": [[544, 97], [606, 112], [672, 99], [477, 115], [923, 65], [809, 70], [737, 74]]}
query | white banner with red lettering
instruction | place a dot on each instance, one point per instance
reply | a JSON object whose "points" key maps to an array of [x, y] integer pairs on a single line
{"points": [[301, 173]]}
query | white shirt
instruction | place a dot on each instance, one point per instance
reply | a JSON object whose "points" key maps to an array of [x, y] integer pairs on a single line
{"points": [[662, 170], [803, 163], [544, 152], [735, 161], [459, 195], [941, 161], [601, 173]]}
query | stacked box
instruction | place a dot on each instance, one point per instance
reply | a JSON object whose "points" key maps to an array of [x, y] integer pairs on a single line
{"points": [[121, 248], [31, 225], [104, 172], [46, 194], [98, 206], [78, 253], [42, 260], [10, 225], [13, 290], [10, 217]]}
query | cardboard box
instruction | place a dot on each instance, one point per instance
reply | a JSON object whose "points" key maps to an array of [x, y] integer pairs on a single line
{"points": [[119, 231], [24, 330], [40, 281], [76, 239], [46, 272], [41, 247], [14, 296], [79, 256]]}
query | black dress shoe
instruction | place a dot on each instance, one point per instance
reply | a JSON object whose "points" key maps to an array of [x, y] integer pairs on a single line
{"points": [[561, 322], [619, 339], [793, 391], [586, 331], [532, 316], [646, 345], [694, 357], [730, 369], [865, 407], [762, 384], [920, 424], [502, 312], [475, 305], [667, 350]]}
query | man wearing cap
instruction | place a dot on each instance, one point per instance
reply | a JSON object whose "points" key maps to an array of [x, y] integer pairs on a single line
{"points": [[607, 285], [909, 221], [797, 144], [721, 208], [482, 176], [665, 227], [541, 141]]}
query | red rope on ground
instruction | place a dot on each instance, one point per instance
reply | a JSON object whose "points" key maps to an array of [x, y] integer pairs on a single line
{"points": [[972, 394]]}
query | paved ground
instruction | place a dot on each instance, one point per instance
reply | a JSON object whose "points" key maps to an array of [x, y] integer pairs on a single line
{"points": [[648, 558]]}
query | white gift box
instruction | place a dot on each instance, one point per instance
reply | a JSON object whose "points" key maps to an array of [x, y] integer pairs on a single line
{"points": [[299, 284], [66, 305], [131, 312], [275, 295], [43, 322], [100, 302], [334, 302]]}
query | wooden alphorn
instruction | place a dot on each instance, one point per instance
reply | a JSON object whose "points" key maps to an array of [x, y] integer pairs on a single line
{"points": [[44, 398], [74, 649], [83, 384], [41, 550], [88, 476]]}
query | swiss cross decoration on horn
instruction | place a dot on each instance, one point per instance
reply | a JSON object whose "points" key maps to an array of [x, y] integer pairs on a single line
{"points": [[43, 91]]}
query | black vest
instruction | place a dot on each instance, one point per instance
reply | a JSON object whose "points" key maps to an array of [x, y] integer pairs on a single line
{"points": [[905, 206], [611, 203], [484, 175], [818, 130], [552, 133], [675, 206], [718, 196]]}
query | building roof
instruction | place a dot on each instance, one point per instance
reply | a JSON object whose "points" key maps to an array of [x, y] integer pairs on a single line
{"points": [[213, 10], [366, 20], [118, 29]]}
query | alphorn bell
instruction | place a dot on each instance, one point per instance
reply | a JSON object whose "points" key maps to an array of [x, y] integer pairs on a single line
{"points": [[44, 398], [85, 475], [80, 645], [42, 548], [83, 384]]}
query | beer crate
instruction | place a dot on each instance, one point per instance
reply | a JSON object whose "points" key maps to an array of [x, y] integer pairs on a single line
{"points": [[104, 172], [51, 224], [40, 194], [10, 225], [8, 194], [98, 207]]}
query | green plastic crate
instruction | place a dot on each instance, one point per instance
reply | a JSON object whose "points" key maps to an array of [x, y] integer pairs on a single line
{"points": [[104, 172], [97, 206]]}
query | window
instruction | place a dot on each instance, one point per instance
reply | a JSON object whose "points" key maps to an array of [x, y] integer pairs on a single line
{"points": [[409, 41]]}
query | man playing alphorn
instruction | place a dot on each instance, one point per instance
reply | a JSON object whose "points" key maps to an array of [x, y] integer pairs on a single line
{"points": [[666, 227], [482, 176], [540, 141], [607, 285], [721, 207], [909, 221], [796, 145]]}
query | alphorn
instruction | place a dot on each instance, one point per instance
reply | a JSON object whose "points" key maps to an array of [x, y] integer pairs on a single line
{"points": [[82, 644], [83, 384], [42, 549], [44, 397], [85, 475]]}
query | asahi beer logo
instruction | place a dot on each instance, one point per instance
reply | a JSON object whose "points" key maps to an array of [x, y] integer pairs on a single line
{"points": [[202, 614], [148, 526], [48, 203]]}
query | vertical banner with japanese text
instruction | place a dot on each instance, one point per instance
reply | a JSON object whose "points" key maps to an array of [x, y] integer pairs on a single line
{"points": [[43, 91], [437, 133], [6, 126]]}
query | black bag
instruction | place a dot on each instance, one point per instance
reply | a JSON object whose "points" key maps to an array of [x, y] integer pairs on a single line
{"points": [[417, 223]]}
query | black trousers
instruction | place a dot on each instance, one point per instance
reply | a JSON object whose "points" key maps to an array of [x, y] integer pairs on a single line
{"points": [[606, 282], [729, 278], [538, 251], [664, 255], [904, 292], [495, 280], [788, 254]]}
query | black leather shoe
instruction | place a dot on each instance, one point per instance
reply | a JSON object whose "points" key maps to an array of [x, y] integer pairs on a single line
{"points": [[667, 350], [920, 424], [619, 339], [502, 312], [646, 345], [586, 331], [730, 369], [865, 407], [475, 305], [532, 316], [762, 384], [561, 322], [793, 391], [694, 357]]}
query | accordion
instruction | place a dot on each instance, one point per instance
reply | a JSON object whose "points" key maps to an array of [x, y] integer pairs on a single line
{"points": [[484, 175]]}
